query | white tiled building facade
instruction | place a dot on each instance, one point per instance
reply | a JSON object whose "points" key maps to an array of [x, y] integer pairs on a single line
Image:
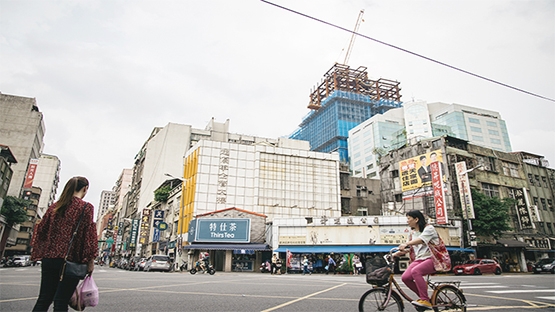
{"points": [[282, 181], [47, 177]]}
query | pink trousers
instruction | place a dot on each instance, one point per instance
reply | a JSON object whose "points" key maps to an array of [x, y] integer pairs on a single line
{"points": [[413, 277]]}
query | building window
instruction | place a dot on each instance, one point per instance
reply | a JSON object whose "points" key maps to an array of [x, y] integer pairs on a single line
{"points": [[474, 120], [478, 138], [530, 179], [549, 228], [476, 129], [370, 166], [550, 204], [536, 201], [537, 180], [493, 132], [544, 204], [398, 198], [544, 180], [510, 169], [371, 175], [495, 141], [488, 163], [490, 190], [395, 173], [491, 123], [362, 211]]}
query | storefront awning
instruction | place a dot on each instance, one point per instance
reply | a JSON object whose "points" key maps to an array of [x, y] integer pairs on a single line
{"points": [[348, 249], [335, 248], [228, 247]]}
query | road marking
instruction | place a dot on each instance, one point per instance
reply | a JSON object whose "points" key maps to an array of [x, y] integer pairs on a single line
{"points": [[547, 298], [473, 287], [517, 291], [302, 298]]}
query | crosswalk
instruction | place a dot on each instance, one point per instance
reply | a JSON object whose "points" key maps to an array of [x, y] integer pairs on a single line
{"points": [[500, 289]]}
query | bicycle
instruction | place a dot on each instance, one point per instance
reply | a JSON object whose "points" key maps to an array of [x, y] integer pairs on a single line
{"points": [[446, 296]]}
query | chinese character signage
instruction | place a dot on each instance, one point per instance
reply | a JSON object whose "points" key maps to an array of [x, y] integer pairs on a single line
{"points": [[145, 227], [134, 232], [158, 214], [464, 191], [222, 230], [439, 193], [30, 176], [523, 209], [223, 168], [416, 173]]}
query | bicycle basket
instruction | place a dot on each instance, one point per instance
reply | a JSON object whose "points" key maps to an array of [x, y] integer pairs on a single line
{"points": [[377, 272]]}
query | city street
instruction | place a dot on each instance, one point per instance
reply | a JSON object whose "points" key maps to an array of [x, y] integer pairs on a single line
{"points": [[157, 291]]}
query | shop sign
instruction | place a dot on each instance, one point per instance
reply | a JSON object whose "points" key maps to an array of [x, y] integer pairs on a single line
{"points": [[523, 209], [134, 232], [222, 230], [292, 240]]}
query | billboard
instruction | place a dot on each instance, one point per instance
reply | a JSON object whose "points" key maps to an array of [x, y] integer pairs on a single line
{"points": [[220, 230], [30, 176], [464, 190], [416, 172]]}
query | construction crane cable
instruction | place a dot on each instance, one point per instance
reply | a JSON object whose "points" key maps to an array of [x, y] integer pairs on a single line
{"points": [[410, 52]]}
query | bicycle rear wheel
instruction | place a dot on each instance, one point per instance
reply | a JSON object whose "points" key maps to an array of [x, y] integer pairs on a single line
{"points": [[448, 298], [374, 299]]}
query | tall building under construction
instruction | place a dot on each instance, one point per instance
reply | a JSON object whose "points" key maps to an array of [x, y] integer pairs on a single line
{"points": [[345, 98]]}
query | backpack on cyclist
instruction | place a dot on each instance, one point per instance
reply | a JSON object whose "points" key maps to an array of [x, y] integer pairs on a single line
{"points": [[377, 271]]}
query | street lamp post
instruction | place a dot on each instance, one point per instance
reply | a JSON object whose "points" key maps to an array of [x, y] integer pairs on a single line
{"points": [[470, 233]]}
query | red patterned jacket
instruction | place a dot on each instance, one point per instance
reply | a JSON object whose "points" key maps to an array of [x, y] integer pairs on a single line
{"points": [[52, 235]]}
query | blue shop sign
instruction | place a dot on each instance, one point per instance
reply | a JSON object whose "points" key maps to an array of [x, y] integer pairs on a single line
{"points": [[222, 230]]}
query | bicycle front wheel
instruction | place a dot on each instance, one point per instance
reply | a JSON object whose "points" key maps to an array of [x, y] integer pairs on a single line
{"points": [[448, 298], [375, 300]]}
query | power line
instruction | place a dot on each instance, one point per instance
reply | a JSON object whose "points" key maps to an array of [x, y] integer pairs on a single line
{"points": [[410, 52]]}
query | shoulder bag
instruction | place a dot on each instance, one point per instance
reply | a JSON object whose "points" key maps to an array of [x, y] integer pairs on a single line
{"points": [[440, 256], [74, 269]]}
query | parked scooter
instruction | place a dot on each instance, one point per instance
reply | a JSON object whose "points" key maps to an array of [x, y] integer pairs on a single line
{"points": [[9, 263], [183, 266], [210, 269], [266, 267]]}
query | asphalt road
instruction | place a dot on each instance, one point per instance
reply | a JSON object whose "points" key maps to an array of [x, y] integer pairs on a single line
{"points": [[157, 291]]}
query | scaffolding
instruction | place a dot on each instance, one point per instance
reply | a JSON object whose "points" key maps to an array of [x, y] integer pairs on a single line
{"points": [[341, 77]]}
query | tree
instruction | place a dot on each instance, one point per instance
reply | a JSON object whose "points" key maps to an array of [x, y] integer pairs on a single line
{"points": [[492, 214], [161, 194], [14, 210]]}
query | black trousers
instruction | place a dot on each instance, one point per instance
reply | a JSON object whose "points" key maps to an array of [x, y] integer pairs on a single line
{"points": [[51, 289]]}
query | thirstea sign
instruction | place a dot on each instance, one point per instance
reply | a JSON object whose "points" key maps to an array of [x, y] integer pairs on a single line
{"points": [[220, 230]]}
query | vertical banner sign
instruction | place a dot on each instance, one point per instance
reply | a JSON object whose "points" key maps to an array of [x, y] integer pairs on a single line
{"points": [[288, 256], [464, 191], [439, 193], [120, 235], [523, 209], [134, 231], [223, 168], [145, 226], [30, 176]]}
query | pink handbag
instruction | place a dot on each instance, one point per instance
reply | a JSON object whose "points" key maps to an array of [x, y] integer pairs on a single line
{"points": [[440, 256]]}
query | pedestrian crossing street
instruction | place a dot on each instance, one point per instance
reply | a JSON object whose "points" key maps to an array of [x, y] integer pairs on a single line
{"points": [[500, 289]]}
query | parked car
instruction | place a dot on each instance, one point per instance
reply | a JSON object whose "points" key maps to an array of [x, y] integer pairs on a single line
{"points": [[22, 261], [158, 262], [140, 265], [544, 265], [477, 267]]}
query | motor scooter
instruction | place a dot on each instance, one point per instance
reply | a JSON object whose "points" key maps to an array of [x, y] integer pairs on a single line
{"points": [[266, 267], [183, 266], [210, 269]]}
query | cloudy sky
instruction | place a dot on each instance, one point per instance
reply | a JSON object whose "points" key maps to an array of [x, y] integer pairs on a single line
{"points": [[104, 73]]}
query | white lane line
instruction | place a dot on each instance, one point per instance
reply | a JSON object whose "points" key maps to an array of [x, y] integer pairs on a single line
{"points": [[517, 291], [547, 298], [473, 287]]}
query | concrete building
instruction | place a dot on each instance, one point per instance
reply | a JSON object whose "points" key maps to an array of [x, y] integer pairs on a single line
{"points": [[419, 120], [463, 166], [123, 184], [359, 196], [107, 200], [22, 129], [23, 239], [345, 98], [47, 178], [6, 160]]}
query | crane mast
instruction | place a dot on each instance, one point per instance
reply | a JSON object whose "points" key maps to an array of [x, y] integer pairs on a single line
{"points": [[353, 36]]}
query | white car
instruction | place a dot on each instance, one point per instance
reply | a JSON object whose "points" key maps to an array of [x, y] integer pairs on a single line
{"points": [[22, 261]]}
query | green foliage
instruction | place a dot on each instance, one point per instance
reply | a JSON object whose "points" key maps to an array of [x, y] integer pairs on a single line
{"points": [[492, 214], [15, 210], [162, 194], [347, 265]]}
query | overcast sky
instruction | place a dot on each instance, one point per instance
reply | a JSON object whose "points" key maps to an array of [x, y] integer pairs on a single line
{"points": [[104, 73]]}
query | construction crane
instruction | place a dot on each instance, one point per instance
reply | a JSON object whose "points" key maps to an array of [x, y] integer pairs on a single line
{"points": [[353, 36]]}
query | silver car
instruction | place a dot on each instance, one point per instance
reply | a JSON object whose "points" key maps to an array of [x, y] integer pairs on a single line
{"points": [[158, 263]]}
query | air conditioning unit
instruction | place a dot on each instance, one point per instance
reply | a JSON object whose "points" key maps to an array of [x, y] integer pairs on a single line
{"points": [[426, 144]]}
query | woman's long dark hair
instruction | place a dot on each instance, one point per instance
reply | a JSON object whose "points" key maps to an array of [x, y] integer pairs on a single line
{"points": [[421, 220], [74, 184]]}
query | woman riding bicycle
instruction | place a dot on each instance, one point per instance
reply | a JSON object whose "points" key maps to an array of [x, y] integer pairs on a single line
{"points": [[420, 255]]}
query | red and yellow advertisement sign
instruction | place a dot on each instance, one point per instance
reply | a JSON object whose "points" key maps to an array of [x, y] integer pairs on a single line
{"points": [[416, 172]]}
